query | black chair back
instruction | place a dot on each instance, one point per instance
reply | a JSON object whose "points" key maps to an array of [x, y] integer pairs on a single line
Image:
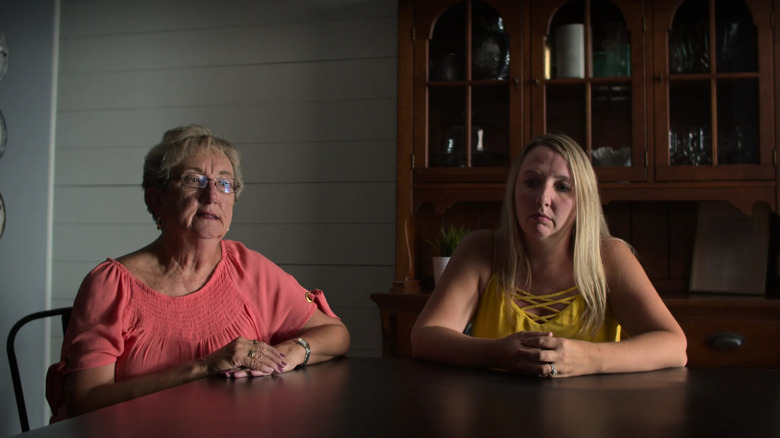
{"points": [[64, 314]]}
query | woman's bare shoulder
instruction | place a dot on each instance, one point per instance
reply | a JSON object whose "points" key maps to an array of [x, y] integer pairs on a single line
{"points": [[479, 242], [475, 253], [620, 261], [615, 247]]}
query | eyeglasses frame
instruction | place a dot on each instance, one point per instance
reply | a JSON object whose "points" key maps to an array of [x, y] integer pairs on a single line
{"points": [[234, 186]]}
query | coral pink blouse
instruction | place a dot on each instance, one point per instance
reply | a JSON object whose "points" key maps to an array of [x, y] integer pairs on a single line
{"points": [[118, 319]]}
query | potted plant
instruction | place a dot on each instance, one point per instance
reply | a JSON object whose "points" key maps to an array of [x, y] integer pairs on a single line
{"points": [[445, 244]]}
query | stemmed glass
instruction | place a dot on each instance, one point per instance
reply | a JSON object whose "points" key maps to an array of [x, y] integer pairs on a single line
{"points": [[690, 145]]}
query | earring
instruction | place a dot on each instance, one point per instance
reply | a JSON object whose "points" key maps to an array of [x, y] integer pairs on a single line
{"points": [[158, 222]]}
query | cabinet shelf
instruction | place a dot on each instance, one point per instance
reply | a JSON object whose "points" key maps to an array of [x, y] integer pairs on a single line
{"points": [[708, 76], [494, 82], [743, 195]]}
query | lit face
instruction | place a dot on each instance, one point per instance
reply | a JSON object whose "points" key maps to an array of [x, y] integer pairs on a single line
{"points": [[200, 213], [544, 195]]}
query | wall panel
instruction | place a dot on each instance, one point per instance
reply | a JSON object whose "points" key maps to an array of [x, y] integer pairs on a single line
{"points": [[273, 203], [225, 46], [91, 17], [229, 85], [326, 161]]}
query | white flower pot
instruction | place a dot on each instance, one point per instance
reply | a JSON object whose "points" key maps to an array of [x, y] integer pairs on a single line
{"points": [[439, 263]]}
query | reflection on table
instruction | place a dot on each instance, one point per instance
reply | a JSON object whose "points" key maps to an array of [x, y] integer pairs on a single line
{"points": [[375, 397]]}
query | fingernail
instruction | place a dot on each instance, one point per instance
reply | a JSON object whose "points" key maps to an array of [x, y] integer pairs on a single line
{"points": [[284, 363]]}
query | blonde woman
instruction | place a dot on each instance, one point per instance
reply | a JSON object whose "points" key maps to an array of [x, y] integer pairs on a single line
{"points": [[550, 291]]}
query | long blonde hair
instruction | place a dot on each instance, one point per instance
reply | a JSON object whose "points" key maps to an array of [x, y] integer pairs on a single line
{"points": [[513, 268]]}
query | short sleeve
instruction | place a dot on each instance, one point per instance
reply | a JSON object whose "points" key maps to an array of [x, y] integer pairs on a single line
{"points": [[94, 335], [283, 305]]}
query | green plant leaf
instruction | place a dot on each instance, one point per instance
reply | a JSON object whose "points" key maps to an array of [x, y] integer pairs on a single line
{"points": [[448, 240]]}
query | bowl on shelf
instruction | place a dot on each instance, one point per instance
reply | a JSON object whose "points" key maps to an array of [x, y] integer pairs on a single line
{"points": [[608, 156]]}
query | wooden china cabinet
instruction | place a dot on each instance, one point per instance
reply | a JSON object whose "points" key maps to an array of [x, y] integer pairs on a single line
{"points": [[676, 101]]}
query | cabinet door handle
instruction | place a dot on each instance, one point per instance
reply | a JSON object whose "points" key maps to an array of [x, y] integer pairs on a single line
{"points": [[725, 340], [660, 78]]}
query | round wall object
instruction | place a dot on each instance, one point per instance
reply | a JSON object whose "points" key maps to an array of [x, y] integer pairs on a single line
{"points": [[3, 55], [2, 215], [3, 135]]}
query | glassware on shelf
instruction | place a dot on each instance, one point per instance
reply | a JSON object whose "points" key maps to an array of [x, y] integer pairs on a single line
{"points": [[489, 44], [737, 145], [736, 37], [614, 60], [452, 107], [689, 49], [609, 156], [446, 67], [570, 51], [611, 51], [736, 47], [690, 145], [453, 151], [447, 47]]}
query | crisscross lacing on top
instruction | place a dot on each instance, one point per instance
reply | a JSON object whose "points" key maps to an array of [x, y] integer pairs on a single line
{"points": [[545, 303]]}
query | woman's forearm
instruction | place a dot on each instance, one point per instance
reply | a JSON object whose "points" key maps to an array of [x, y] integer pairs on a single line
{"points": [[102, 395], [441, 344], [326, 341], [646, 352]]}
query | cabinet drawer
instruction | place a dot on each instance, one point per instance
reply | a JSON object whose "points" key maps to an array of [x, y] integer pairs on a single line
{"points": [[729, 331], [732, 341]]}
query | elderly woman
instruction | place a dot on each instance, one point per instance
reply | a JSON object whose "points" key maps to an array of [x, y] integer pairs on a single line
{"points": [[548, 293], [190, 304]]}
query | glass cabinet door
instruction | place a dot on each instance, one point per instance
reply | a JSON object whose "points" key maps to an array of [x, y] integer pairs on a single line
{"points": [[709, 79], [587, 81], [464, 104]]}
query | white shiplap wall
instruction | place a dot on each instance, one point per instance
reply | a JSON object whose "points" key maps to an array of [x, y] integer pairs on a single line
{"points": [[306, 89]]}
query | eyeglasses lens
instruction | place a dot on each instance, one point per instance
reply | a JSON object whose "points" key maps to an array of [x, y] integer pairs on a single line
{"points": [[198, 181]]}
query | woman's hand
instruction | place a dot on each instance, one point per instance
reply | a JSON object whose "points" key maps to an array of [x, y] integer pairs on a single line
{"points": [[293, 354], [94, 388], [538, 354], [244, 357], [521, 353]]}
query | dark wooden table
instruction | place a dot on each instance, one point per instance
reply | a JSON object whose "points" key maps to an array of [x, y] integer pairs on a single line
{"points": [[372, 397]]}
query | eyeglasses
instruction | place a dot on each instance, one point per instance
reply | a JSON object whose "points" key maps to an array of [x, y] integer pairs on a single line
{"points": [[198, 181]]}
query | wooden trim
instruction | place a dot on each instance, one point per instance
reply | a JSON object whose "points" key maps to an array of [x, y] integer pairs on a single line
{"points": [[404, 268]]}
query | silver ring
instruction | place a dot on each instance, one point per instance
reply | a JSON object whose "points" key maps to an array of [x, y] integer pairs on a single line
{"points": [[251, 353], [553, 371], [254, 341]]}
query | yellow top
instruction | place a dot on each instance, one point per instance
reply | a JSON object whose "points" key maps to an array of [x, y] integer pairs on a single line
{"points": [[493, 320]]}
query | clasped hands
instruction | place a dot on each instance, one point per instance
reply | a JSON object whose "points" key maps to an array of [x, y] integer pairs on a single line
{"points": [[541, 353], [244, 357]]}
